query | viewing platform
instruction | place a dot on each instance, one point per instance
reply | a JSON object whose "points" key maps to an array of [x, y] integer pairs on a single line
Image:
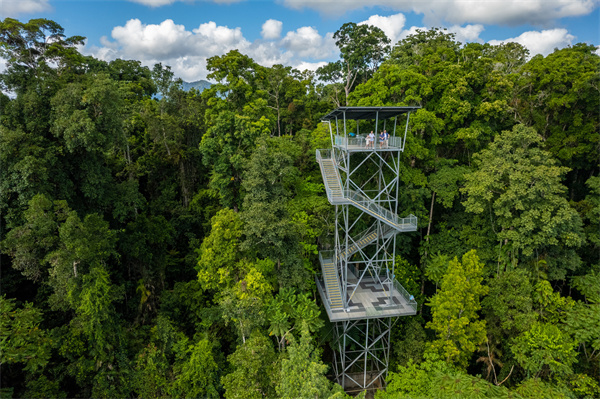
{"points": [[370, 300], [359, 143]]}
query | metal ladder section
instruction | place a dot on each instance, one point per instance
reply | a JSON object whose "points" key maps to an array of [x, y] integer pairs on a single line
{"points": [[332, 283]]}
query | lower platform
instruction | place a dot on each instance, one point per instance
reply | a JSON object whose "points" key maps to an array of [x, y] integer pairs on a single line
{"points": [[371, 299]]}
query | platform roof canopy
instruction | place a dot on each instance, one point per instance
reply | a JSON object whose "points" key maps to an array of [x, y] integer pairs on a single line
{"points": [[356, 113]]}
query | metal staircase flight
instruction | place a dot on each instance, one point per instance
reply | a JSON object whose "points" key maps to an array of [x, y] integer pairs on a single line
{"points": [[333, 185], [366, 239], [338, 196], [332, 283]]}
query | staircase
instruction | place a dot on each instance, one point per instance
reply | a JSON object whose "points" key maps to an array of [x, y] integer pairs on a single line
{"points": [[366, 239], [332, 283], [333, 185], [337, 196], [388, 217]]}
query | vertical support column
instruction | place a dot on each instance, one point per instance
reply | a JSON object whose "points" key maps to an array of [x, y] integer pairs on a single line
{"points": [[366, 353], [332, 135], [405, 131], [387, 352]]}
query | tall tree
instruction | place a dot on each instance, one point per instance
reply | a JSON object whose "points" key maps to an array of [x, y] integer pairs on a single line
{"points": [[303, 372], [270, 231], [362, 49], [30, 48], [454, 309], [21, 338], [560, 100], [517, 186], [543, 351], [256, 370]]}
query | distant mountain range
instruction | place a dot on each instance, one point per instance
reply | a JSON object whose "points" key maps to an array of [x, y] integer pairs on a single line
{"points": [[199, 85]]}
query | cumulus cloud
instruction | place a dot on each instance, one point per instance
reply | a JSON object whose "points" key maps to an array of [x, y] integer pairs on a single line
{"points": [[310, 66], [13, 8], [506, 12], [392, 26], [469, 33], [166, 40], [543, 42], [503, 12], [187, 51], [306, 42], [271, 29]]}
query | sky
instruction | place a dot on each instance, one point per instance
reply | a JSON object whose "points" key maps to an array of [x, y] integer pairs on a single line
{"points": [[298, 33]]}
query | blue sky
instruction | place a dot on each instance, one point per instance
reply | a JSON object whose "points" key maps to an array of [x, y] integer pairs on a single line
{"points": [[184, 33]]}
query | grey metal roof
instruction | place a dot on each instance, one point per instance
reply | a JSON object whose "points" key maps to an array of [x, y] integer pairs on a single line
{"points": [[356, 113]]}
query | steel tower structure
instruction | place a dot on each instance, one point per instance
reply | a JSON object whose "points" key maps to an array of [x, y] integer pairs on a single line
{"points": [[357, 286]]}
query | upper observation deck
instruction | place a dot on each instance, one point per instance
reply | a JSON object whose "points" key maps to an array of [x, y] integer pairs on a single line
{"points": [[350, 128], [367, 113]]}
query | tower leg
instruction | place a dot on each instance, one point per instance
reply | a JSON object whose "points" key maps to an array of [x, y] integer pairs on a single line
{"points": [[361, 353]]}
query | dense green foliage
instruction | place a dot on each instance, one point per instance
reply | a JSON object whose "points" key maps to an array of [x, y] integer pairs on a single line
{"points": [[166, 246]]}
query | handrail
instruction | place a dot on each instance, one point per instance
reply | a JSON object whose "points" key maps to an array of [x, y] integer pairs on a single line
{"points": [[387, 229], [411, 302], [406, 224], [360, 141], [334, 194], [396, 142], [323, 273], [329, 256], [323, 154], [374, 209], [362, 313]]}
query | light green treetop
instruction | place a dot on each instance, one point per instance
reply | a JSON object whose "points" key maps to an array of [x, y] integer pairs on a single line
{"points": [[454, 308]]}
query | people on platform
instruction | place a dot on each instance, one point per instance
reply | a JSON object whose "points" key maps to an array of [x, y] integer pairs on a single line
{"points": [[370, 140], [383, 139]]}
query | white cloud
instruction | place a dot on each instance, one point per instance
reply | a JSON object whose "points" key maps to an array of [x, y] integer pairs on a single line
{"points": [[271, 29], [392, 26], [469, 33], [154, 3], [12, 8], [210, 39], [543, 42], [310, 66], [503, 12], [412, 31], [187, 51], [335, 7], [166, 40], [305, 42]]}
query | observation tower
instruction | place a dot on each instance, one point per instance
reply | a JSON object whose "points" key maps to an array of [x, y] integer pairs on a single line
{"points": [[357, 286]]}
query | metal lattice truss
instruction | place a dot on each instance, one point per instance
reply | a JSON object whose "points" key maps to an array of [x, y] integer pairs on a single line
{"points": [[375, 198], [361, 295], [362, 353]]}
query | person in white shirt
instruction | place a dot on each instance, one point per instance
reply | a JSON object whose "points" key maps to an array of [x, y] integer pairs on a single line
{"points": [[370, 139]]}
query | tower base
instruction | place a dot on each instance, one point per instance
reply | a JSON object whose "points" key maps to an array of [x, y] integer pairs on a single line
{"points": [[362, 353]]}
